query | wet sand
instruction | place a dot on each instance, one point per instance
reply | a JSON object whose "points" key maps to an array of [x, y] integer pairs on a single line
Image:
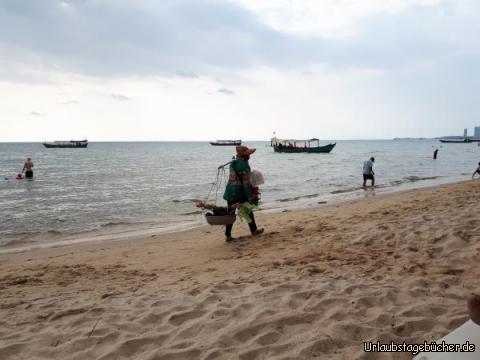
{"points": [[317, 284]]}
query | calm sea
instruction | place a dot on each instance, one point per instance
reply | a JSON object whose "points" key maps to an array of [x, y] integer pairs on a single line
{"points": [[117, 187]]}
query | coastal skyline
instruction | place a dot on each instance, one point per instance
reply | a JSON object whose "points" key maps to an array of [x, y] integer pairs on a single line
{"points": [[202, 70]]}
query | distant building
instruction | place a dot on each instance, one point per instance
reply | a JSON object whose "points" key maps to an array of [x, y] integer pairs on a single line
{"points": [[465, 132], [476, 132]]}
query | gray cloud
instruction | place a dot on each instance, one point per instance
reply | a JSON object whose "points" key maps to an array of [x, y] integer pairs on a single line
{"points": [[70, 102], [120, 97], [189, 38], [146, 37], [226, 91], [37, 113], [186, 74]]}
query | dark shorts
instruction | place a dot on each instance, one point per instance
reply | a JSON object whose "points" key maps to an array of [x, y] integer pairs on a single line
{"points": [[29, 174], [368, 177]]}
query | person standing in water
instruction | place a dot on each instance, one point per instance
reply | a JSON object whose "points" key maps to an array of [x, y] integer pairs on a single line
{"points": [[435, 154], [477, 171], [368, 173], [28, 169], [239, 188]]}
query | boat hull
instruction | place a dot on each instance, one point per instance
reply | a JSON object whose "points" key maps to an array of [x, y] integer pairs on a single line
{"points": [[65, 146], [467, 141], [312, 150], [235, 143]]}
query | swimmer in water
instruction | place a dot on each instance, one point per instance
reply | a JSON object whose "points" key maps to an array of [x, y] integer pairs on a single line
{"points": [[28, 169]]}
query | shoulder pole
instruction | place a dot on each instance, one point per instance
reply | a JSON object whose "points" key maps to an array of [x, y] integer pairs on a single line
{"points": [[228, 163]]}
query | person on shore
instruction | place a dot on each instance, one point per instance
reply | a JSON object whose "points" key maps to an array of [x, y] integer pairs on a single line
{"points": [[239, 189], [477, 171], [368, 173], [435, 154], [28, 169]]}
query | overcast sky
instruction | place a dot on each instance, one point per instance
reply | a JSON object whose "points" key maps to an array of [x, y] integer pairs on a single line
{"points": [[208, 69]]}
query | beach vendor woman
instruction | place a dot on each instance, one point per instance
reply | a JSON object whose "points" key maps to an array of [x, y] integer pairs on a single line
{"points": [[240, 191]]}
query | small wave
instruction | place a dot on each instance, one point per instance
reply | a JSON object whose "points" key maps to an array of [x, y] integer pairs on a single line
{"points": [[54, 232], [298, 198], [115, 223], [272, 189], [177, 201], [347, 190], [21, 238], [17, 242], [420, 178], [412, 179], [198, 212]]}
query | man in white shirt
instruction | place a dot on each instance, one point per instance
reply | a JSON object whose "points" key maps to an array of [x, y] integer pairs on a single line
{"points": [[368, 173]]}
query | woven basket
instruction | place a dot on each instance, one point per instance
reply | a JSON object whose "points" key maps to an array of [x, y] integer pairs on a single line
{"points": [[221, 219]]}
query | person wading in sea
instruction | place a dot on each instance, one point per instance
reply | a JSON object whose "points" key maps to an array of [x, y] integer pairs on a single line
{"points": [[239, 189], [368, 173], [28, 169], [476, 171]]}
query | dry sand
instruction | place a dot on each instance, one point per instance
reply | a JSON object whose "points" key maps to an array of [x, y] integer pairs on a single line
{"points": [[317, 284]]}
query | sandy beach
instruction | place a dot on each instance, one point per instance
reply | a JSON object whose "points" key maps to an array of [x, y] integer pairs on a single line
{"points": [[317, 284]]}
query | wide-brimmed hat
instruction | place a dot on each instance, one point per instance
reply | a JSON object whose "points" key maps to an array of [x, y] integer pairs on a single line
{"points": [[244, 151]]}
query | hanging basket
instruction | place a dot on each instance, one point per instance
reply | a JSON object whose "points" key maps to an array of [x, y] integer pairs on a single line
{"points": [[220, 219], [218, 215]]}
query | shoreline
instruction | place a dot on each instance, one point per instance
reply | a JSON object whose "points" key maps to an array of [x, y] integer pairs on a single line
{"points": [[318, 283], [125, 231]]}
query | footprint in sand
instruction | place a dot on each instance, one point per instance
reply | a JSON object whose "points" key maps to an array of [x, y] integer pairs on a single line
{"points": [[179, 318], [320, 347], [268, 338], [453, 272]]}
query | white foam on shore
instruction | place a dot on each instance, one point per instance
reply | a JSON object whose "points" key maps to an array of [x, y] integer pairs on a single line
{"points": [[96, 236]]}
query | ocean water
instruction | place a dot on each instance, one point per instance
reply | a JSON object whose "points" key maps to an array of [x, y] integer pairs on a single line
{"points": [[114, 187]]}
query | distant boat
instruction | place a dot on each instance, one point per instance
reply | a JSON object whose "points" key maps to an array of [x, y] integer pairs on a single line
{"points": [[409, 138], [226, 143], [300, 146], [66, 144], [456, 141]]}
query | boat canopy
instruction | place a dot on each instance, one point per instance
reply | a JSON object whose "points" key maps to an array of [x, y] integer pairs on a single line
{"points": [[226, 142], [294, 142]]}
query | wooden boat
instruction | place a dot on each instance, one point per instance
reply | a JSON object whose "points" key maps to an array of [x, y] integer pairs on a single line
{"points": [[226, 143], [456, 141], [66, 144], [300, 146]]}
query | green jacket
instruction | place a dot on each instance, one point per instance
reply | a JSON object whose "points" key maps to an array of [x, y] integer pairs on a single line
{"points": [[238, 191]]}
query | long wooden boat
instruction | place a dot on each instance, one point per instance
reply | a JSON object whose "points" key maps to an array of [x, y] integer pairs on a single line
{"points": [[456, 141], [226, 143], [300, 146], [66, 144]]}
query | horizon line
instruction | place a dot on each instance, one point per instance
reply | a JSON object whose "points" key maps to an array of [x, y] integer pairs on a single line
{"points": [[190, 140]]}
